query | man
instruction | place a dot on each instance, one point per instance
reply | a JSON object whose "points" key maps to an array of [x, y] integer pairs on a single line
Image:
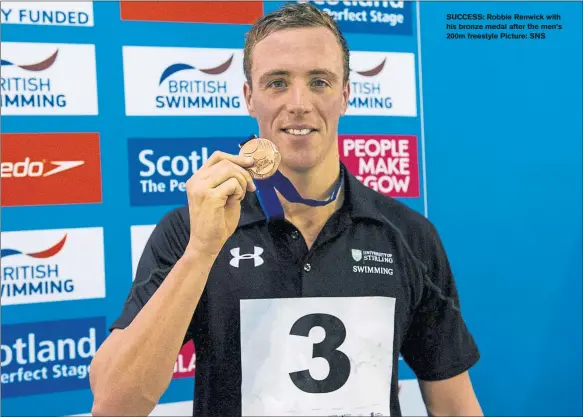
{"points": [[301, 315]]}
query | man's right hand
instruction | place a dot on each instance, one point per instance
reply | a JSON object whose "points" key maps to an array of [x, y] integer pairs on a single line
{"points": [[214, 196]]}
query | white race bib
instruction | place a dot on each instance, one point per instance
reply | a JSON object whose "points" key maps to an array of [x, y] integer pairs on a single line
{"points": [[317, 356]]}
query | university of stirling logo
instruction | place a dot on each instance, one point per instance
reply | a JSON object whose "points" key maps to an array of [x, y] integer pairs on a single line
{"points": [[371, 256]]}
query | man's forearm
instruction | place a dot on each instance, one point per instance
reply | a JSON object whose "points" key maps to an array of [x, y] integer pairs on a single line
{"points": [[466, 410], [450, 397], [134, 366]]}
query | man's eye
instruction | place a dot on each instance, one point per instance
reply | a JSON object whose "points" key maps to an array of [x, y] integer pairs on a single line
{"points": [[320, 83], [277, 84]]}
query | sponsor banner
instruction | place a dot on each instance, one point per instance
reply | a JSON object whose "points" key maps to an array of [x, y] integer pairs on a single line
{"points": [[382, 84], [186, 362], [139, 238], [386, 163], [48, 357], [161, 81], [40, 266], [51, 13], [233, 12], [48, 79], [159, 168], [378, 17], [50, 168]]}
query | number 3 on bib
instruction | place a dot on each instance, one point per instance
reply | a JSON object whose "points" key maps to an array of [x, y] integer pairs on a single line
{"points": [[317, 356], [338, 362]]}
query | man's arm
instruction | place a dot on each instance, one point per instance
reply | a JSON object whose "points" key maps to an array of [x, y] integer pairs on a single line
{"points": [[133, 367], [438, 346], [451, 397]]}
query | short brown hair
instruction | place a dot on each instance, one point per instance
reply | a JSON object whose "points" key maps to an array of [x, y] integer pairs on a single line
{"points": [[295, 15]]}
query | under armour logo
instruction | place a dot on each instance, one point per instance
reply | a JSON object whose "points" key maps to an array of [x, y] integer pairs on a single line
{"points": [[256, 256]]}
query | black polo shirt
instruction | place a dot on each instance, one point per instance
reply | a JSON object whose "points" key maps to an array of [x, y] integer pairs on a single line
{"points": [[283, 330]]}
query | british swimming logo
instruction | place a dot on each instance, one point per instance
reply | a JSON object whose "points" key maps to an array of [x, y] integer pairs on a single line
{"points": [[36, 67], [40, 266], [162, 81], [48, 79], [382, 84], [43, 254]]}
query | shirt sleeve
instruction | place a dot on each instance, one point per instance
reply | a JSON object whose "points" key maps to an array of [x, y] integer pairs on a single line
{"points": [[438, 345], [164, 247]]}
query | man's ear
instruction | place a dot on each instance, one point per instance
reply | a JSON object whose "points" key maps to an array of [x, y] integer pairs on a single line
{"points": [[345, 97], [247, 91]]}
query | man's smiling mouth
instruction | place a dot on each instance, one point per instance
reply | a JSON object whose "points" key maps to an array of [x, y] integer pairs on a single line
{"points": [[299, 130]]}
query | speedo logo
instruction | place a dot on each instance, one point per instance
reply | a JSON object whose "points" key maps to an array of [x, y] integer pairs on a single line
{"points": [[28, 168]]}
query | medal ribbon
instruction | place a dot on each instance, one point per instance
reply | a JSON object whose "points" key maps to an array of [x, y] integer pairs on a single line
{"points": [[268, 198]]}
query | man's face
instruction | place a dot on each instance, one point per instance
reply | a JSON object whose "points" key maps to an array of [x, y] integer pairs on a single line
{"points": [[298, 94]]}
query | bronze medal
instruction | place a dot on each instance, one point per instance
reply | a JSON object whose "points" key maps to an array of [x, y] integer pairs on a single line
{"points": [[265, 155]]}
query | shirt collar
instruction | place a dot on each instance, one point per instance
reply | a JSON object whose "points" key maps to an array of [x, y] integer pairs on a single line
{"points": [[360, 202]]}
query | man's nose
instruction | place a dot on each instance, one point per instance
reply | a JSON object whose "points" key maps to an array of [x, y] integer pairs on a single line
{"points": [[299, 100]]}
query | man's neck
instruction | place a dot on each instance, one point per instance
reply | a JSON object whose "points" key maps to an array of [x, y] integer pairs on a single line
{"points": [[317, 184]]}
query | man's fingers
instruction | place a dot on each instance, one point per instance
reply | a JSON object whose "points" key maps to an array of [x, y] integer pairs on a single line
{"points": [[223, 159], [230, 188], [224, 170], [218, 156]]}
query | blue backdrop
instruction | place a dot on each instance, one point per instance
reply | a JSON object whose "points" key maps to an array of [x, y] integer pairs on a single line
{"points": [[499, 135]]}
